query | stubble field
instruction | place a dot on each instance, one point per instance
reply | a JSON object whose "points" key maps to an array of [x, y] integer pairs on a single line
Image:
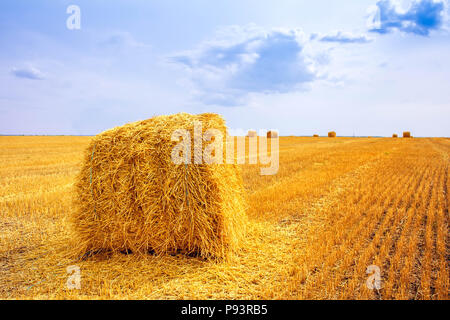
{"points": [[336, 206]]}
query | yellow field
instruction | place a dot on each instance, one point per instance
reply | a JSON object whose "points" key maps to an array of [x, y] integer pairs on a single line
{"points": [[336, 206]]}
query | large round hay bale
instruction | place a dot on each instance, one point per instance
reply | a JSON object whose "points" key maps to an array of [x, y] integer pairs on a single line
{"points": [[131, 196], [332, 134]]}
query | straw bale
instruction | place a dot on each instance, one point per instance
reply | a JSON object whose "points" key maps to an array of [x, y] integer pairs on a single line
{"points": [[252, 133], [131, 196]]}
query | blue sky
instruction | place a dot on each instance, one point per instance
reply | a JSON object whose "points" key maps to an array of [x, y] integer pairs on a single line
{"points": [[362, 67]]}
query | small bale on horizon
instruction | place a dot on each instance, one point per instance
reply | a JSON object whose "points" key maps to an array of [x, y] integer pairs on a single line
{"points": [[331, 134], [315, 136], [252, 133], [406, 134], [272, 134], [395, 135]]}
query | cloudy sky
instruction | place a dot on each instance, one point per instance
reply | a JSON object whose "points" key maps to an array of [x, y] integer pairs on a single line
{"points": [[359, 67]]}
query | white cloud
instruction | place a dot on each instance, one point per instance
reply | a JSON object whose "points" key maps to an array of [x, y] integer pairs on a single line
{"points": [[243, 60], [420, 18], [122, 39], [342, 37], [28, 72]]}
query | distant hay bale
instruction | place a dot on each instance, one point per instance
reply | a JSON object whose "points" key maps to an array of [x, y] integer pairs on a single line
{"points": [[406, 134], [272, 134], [316, 136], [332, 134], [130, 196], [252, 133], [395, 135]]}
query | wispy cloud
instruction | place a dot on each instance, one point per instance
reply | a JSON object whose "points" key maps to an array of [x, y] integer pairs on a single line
{"points": [[247, 60], [122, 39], [28, 73], [422, 17], [342, 37]]}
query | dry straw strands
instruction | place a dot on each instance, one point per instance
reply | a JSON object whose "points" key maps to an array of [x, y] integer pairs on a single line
{"points": [[406, 134], [332, 134], [130, 196], [252, 133], [272, 134]]}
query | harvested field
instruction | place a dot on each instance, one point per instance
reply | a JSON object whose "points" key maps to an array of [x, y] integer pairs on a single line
{"points": [[335, 207]]}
